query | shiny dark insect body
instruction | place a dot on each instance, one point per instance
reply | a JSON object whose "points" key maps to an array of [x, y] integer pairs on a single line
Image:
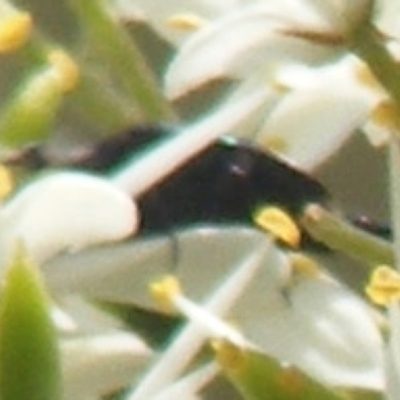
{"points": [[226, 183]]}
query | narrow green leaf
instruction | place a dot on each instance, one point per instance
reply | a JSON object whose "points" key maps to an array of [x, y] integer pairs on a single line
{"points": [[394, 191], [259, 377], [118, 50], [29, 115], [360, 394], [29, 358]]}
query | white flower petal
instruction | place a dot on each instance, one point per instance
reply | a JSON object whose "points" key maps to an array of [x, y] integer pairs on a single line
{"points": [[316, 325], [387, 17], [65, 211], [97, 365], [243, 41], [122, 272], [307, 128], [335, 323], [158, 14], [85, 318], [253, 119], [393, 353], [283, 319], [63, 321], [192, 337], [378, 135], [321, 337], [344, 15], [314, 120], [188, 386]]}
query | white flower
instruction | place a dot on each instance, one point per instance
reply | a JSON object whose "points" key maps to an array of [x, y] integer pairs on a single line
{"points": [[383, 289], [259, 45], [276, 311], [64, 211], [97, 364], [393, 353], [262, 36], [98, 354], [323, 107], [240, 42], [176, 19]]}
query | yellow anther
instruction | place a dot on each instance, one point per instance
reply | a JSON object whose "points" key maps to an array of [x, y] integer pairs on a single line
{"points": [[384, 286], [15, 30], [185, 22], [305, 266], [279, 224], [365, 76], [232, 358], [6, 182], [164, 292], [387, 115], [66, 69], [274, 143], [279, 85]]}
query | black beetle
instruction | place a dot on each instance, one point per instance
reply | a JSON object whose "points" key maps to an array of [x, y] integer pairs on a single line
{"points": [[225, 183]]}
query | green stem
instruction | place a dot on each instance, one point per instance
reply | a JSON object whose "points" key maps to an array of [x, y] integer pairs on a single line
{"points": [[369, 45], [394, 169], [119, 52], [340, 235]]}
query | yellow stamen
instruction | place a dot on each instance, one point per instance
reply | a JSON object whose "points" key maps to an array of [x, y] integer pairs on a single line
{"points": [[384, 286], [66, 68], [275, 143], [365, 76], [279, 224], [15, 30], [229, 356], [6, 182], [387, 115], [304, 265], [185, 22], [164, 292]]}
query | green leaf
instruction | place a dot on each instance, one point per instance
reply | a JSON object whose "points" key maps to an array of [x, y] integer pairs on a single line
{"points": [[259, 377], [118, 50], [29, 358], [360, 394], [394, 191], [30, 113]]}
